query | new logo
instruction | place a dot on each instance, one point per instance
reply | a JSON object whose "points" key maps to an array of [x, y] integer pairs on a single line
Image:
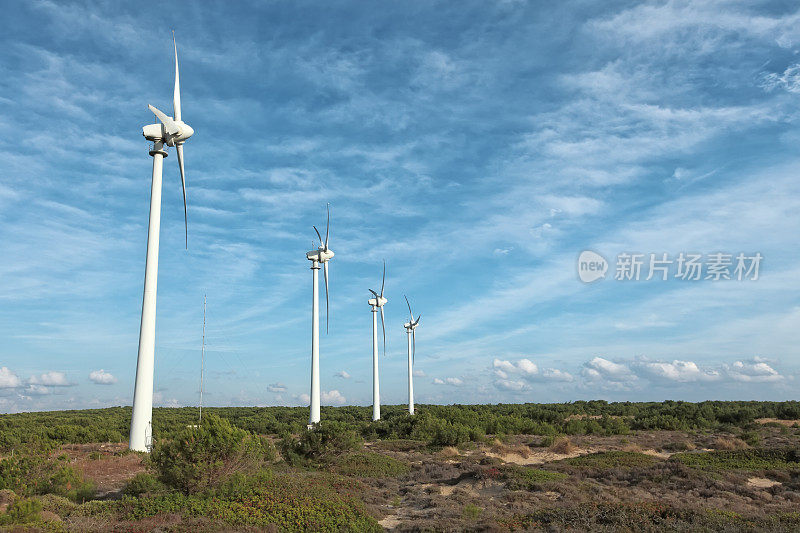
{"points": [[591, 266]]}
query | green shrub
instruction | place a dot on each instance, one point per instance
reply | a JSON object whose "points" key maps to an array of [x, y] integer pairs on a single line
{"points": [[605, 460], [751, 459], [645, 516], [526, 478], [320, 444], [204, 456], [472, 512], [28, 475], [22, 512], [294, 502], [369, 464], [753, 438], [143, 483]]}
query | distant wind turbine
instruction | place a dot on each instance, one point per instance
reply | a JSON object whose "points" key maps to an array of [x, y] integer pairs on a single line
{"points": [[323, 255], [172, 132], [410, 326], [377, 304]]}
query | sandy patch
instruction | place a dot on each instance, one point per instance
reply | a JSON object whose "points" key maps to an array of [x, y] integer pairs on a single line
{"points": [[538, 457], [656, 453], [787, 423], [761, 482], [390, 522]]}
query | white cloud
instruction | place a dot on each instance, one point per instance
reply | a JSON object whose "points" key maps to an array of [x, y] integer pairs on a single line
{"points": [[456, 382], [52, 378], [343, 374], [789, 80], [304, 399], [528, 367], [419, 373], [333, 397], [101, 377], [555, 374], [8, 379], [511, 385], [680, 371], [755, 371], [37, 390], [523, 366], [276, 387], [607, 374], [504, 366]]}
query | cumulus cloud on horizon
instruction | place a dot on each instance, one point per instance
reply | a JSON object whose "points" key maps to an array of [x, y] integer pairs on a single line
{"points": [[8, 379], [101, 377], [51, 379]]}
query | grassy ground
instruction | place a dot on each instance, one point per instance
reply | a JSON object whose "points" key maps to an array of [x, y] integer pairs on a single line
{"points": [[744, 478]]}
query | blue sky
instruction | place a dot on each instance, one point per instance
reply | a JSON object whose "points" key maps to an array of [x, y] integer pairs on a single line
{"points": [[478, 147]]}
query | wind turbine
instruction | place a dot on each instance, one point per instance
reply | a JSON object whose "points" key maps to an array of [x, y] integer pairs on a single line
{"points": [[202, 359], [172, 132], [410, 326], [323, 255], [377, 303]]}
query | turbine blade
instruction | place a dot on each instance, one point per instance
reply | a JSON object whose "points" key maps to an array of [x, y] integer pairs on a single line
{"points": [[318, 235], [417, 322], [409, 308], [172, 128], [327, 303], [383, 281], [374, 293], [328, 229], [176, 95], [179, 150], [383, 325]]}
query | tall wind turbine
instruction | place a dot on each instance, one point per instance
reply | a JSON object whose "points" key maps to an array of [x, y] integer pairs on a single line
{"points": [[172, 132], [202, 359], [323, 255], [377, 303], [410, 326]]}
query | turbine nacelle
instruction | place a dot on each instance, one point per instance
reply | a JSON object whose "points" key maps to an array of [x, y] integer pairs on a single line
{"points": [[320, 256], [411, 326], [379, 301], [158, 132]]}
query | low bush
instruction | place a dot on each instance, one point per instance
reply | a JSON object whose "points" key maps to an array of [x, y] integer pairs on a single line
{"points": [[645, 516], [369, 464], [285, 502], [751, 459], [472, 512], [319, 445], [202, 457], [143, 483], [22, 512], [39, 473], [752, 438], [526, 478]]}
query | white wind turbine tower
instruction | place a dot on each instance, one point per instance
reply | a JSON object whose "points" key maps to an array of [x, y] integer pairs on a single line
{"points": [[410, 326], [323, 255], [172, 132], [377, 303], [202, 359]]}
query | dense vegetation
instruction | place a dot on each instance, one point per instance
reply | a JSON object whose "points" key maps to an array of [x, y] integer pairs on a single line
{"points": [[435, 424]]}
